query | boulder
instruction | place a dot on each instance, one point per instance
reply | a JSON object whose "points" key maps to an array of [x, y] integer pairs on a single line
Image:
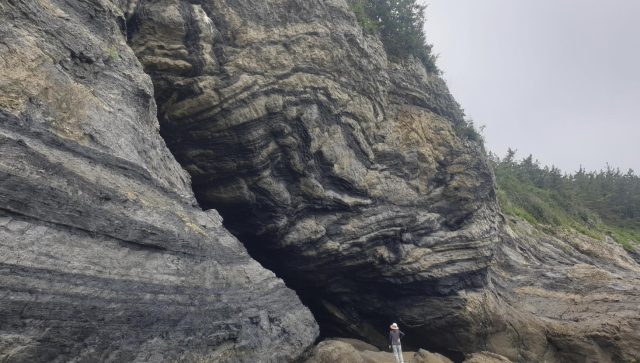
{"points": [[359, 345], [345, 351], [333, 351], [423, 356], [486, 357]]}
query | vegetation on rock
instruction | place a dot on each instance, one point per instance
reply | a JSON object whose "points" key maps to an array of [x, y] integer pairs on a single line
{"points": [[600, 203], [400, 26], [113, 54], [467, 130]]}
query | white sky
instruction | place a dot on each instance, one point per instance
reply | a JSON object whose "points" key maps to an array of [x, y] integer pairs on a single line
{"points": [[557, 79]]}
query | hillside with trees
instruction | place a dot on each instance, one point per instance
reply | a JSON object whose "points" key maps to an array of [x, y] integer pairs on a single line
{"points": [[596, 203]]}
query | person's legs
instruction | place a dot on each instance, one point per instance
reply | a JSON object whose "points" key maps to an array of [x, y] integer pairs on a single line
{"points": [[397, 353]]}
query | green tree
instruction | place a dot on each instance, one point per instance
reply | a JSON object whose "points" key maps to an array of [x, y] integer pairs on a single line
{"points": [[400, 26]]}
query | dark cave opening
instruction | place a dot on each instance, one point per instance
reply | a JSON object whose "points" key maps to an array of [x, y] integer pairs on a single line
{"points": [[311, 296]]}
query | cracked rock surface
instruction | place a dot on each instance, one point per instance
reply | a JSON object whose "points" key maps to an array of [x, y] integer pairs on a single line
{"points": [[105, 255]]}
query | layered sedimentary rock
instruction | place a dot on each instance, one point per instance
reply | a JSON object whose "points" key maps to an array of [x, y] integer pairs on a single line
{"points": [[105, 255], [341, 172], [560, 296]]}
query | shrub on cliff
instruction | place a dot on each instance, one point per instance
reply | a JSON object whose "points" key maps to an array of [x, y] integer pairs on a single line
{"points": [[467, 130], [399, 24]]}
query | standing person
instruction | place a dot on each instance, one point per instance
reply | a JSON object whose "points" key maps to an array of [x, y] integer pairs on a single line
{"points": [[394, 337]]}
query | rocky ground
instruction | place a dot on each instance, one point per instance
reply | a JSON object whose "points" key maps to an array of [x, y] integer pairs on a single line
{"points": [[339, 350], [570, 297]]}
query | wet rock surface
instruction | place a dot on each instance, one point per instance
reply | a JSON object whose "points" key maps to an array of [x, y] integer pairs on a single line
{"points": [[105, 255]]}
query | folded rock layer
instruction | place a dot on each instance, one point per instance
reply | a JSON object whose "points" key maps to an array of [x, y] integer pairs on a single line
{"points": [[105, 255], [342, 172], [339, 170]]}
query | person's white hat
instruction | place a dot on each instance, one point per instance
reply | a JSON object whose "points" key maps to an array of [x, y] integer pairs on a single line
{"points": [[394, 326]]}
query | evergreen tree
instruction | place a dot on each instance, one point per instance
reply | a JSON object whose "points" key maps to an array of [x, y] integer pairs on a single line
{"points": [[400, 25]]}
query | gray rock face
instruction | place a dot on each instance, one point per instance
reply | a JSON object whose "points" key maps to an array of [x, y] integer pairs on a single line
{"points": [[104, 253]]}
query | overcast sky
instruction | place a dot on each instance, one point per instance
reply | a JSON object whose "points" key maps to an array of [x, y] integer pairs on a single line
{"points": [[559, 79]]}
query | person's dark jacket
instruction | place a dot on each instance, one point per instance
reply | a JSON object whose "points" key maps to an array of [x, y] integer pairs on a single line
{"points": [[394, 337]]}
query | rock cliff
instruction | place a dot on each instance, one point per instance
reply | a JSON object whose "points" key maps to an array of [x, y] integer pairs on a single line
{"points": [[105, 255], [337, 169], [342, 172]]}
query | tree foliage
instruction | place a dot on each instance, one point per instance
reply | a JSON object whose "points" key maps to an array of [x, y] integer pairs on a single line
{"points": [[595, 202], [400, 26]]}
